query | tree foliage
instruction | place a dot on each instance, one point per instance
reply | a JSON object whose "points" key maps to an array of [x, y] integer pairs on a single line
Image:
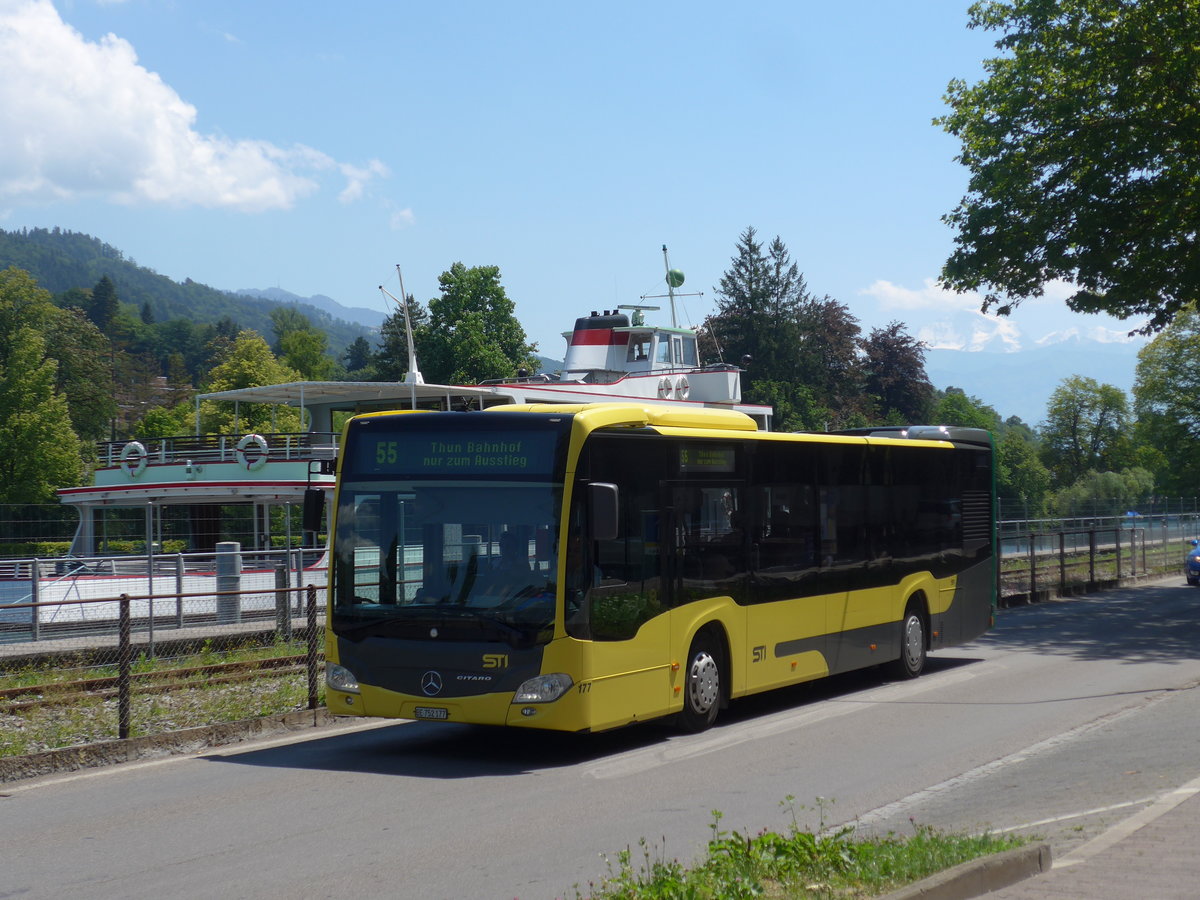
{"points": [[1086, 429], [894, 369], [1081, 146], [473, 332], [40, 448], [1165, 391], [249, 362]]}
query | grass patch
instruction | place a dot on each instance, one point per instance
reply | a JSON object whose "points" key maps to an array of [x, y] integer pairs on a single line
{"points": [[794, 865]]}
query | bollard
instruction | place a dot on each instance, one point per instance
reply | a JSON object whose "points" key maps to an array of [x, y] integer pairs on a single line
{"points": [[283, 612], [229, 582]]}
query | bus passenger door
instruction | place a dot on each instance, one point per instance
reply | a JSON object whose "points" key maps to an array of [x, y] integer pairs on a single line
{"points": [[707, 566]]}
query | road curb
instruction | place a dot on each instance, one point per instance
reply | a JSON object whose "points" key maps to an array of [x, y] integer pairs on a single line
{"points": [[170, 743], [979, 876]]}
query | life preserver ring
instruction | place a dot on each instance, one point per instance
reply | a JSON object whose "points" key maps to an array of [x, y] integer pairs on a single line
{"points": [[256, 458], [682, 388], [133, 459], [665, 388]]}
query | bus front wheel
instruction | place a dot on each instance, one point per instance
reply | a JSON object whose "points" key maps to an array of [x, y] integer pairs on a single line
{"points": [[912, 645], [702, 687]]}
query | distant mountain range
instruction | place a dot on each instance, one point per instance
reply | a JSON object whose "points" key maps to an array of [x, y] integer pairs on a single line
{"points": [[370, 318], [995, 359], [1020, 383]]}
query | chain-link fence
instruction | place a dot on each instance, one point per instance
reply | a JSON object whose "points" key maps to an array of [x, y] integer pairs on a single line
{"points": [[128, 647]]}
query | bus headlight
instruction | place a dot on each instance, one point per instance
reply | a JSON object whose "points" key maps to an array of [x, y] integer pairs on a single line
{"points": [[543, 688], [340, 678]]}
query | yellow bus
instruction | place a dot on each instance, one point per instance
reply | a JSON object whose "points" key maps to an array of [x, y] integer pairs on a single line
{"points": [[584, 567]]}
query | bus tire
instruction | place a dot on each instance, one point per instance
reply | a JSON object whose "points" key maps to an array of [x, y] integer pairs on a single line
{"points": [[912, 644], [702, 684]]}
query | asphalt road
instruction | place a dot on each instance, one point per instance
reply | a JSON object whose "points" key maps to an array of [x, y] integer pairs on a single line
{"points": [[1065, 718]]}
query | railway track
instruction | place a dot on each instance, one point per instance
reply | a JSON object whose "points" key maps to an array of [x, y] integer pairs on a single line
{"points": [[65, 693]]}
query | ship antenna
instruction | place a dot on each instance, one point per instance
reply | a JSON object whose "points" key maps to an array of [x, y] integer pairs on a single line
{"points": [[674, 280], [413, 375]]}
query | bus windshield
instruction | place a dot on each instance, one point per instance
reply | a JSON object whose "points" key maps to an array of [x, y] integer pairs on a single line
{"points": [[448, 534]]}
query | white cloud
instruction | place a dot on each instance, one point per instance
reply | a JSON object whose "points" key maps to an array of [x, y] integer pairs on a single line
{"points": [[930, 297], [357, 178], [402, 218], [84, 118]]}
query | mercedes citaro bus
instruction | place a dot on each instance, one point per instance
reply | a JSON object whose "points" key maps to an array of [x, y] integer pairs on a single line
{"points": [[585, 567]]}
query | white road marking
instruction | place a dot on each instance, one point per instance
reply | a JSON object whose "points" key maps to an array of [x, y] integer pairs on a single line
{"points": [[891, 810], [1122, 830]]}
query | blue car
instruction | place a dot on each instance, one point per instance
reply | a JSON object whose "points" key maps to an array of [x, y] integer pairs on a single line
{"points": [[1191, 568]]}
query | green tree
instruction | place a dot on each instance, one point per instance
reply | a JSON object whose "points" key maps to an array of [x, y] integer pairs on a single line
{"points": [[1020, 474], [359, 360], [955, 407], [473, 332], [803, 350], [1165, 389], [84, 372], [758, 310], [1086, 428], [1081, 146], [1104, 493], [247, 363], [105, 305], [41, 450]]}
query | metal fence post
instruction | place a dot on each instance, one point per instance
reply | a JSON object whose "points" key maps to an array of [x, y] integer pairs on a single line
{"points": [[283, 616], [35, 620], [1117, 544], [124, 668], [178, 590], [1062, 562], [1091, 558], [1032, 568], [312, 650]]}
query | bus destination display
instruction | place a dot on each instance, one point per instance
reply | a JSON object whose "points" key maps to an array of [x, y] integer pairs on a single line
{"points": [[716, 458], [469, 454]]}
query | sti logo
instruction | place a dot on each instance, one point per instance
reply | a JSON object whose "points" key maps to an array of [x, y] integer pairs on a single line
{"points": [[495, 660], [760, 653]]}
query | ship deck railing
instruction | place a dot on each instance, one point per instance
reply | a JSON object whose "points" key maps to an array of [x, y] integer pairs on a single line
{"points": [[209, 448]]}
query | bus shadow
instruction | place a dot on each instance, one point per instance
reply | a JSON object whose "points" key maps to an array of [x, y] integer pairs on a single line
{"points": [[450, 751]]}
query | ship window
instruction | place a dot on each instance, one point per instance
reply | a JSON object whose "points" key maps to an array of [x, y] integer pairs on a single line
{"points": [[689, 351], [663, 351], [639, 348]]}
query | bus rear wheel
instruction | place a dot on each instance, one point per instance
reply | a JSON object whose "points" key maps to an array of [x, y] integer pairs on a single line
{"points": [[702, 685], [912, 645]]}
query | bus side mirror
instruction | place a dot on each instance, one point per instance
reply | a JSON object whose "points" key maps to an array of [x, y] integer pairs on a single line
{"points": [[602, 500], [314, 507]]}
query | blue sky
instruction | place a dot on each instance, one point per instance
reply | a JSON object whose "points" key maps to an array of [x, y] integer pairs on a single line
{"points": [[312, 146]]}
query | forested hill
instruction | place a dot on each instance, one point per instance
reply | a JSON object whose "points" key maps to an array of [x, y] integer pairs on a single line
{"points": [[62, 260]]}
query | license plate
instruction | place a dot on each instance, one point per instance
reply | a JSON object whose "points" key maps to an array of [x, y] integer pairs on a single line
{"points": [[431, 712]]}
